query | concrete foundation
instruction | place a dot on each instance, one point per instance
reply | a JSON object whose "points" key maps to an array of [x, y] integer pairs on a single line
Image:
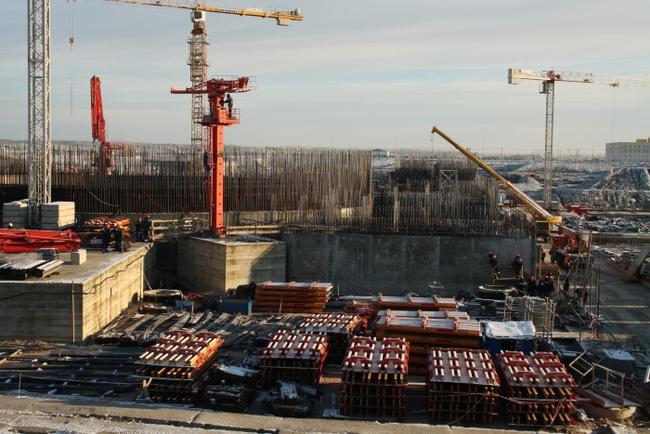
{"points": [[392, 264], [217, 265], [77, 302]]}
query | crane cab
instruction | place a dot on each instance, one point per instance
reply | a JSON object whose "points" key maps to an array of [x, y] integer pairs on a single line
{"points": [[197, 16]]}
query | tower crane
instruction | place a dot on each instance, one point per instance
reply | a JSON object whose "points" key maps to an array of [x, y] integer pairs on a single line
{"points": [[548, 79], [39, 188], [198, 45]]}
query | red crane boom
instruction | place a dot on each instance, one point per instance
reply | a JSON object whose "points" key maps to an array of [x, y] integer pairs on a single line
{"points": [[105, 160], [222, 114]]}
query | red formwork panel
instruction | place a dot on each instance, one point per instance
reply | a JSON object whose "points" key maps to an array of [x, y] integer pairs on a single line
{"points": [[442, 329], [374, 378], [294, 356], [538, 389], [291, 297], [176, 366], [339, 328], [462, 385]]}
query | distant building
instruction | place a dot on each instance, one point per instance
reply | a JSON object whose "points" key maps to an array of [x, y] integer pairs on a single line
{"points": [[628, 151], [380, 153]]}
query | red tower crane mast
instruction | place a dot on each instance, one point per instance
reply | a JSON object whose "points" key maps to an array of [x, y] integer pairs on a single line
{"points": [[221, 115], [105, 159]]}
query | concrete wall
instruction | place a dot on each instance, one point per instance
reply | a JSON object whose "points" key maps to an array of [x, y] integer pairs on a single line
{"points": [[107, 294], [39, 311], [73, 305], [210, 265], [392, 264]]}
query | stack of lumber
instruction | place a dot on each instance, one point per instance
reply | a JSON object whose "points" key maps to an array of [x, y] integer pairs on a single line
{"points": [[294, 356], [433, 329], [93, 227], [538, 389], [15, 213], [462, 385], [374, 378], [57, 215], [291, 297], [176, 366], [339, 328]]}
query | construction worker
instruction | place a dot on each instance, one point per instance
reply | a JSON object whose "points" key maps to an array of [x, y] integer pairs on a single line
{"points": [[206, 162], [542, 256], [118, 235], [492, 260], [229, 101], [139, 230], [106, 238], [518, 266], [146, 228]]}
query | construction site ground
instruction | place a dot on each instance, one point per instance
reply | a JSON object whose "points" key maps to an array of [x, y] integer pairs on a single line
{"points": [[76, 414], [625, 306]]}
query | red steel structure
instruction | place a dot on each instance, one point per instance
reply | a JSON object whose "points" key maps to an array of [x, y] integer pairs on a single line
{"points": [[220, 116], [32, 240], [105, 160]]}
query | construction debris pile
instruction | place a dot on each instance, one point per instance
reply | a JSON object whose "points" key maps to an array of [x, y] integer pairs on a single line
{"points": [[462, 386], [291, 297], [146, 326], [538, 389], [293, 356], [176, 367], [426, 329], [339, 328], [374, 378]]}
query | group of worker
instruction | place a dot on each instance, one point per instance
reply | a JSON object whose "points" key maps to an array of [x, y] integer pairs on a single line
{"points": [[114, 233], [517, 265], [143, 231]]}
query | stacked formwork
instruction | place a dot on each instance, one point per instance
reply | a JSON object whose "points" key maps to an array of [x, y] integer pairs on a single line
{"points": [[409, 302], [538, 389], [462, 386], [176, 367], [339, 328], [294, 356], [374, 378], [291, 297], [423, 332]]}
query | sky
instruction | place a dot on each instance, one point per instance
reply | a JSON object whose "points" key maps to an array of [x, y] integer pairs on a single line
{"points": [[353, 74]]}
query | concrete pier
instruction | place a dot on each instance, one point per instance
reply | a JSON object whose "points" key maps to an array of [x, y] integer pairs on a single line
{"points": [[217, 265]]}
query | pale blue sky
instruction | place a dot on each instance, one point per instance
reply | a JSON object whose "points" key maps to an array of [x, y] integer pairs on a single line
{"points": [[365, 72]]}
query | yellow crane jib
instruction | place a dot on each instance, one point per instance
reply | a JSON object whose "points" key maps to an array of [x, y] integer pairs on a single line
{"points": [[543, 218], [282, 18]]}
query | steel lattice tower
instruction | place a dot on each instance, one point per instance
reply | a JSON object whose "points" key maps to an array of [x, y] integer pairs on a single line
{"points": [[38, 106], [198, 62]]}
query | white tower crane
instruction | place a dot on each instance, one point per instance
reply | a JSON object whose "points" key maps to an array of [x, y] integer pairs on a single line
{"points": [[39, 184], [548, 79]]}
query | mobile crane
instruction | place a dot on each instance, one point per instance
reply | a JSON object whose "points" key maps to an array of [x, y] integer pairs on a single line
{"points": [[544, 220]]}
